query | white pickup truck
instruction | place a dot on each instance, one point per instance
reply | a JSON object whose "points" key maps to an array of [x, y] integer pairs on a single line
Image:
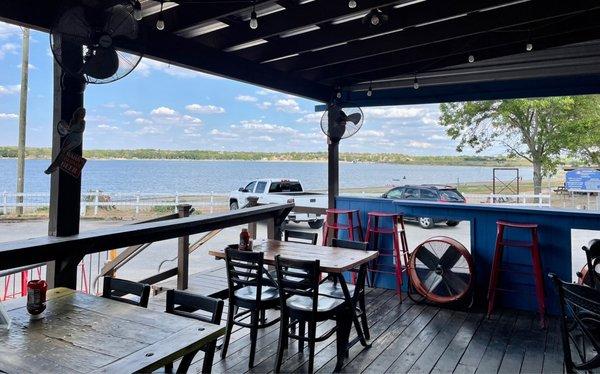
{"points": [[281, 191]]}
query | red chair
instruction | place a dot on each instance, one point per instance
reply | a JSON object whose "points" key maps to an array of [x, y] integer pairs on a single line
{"points": [[332, 223], [533, 247], [377, 226]]}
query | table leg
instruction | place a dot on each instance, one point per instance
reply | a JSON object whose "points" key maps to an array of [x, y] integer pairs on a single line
{"points": [[352, 302], [186, 361]]}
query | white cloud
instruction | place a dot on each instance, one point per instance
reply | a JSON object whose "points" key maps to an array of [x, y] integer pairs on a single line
{"points": [[163, 111], [262, 138], [266, 91], [8, 116], [393, 112], [264, 127], [205, 109], [437, 137], [223, 134], [311, 118], [143, 121], [107, 127], [8, 30], [264, 105], [420, 145], [287, 105], [9, 90], [132, 113], [150, 130], [189, 120], [246, 98], [371, 133], [7, 48], [147, 66]]}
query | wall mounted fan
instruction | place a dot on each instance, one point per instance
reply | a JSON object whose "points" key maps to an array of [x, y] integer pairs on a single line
{"points": [[94, 32], [347, 123]]}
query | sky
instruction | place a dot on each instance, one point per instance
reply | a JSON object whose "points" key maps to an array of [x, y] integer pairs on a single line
{"points": [[164, 107]]}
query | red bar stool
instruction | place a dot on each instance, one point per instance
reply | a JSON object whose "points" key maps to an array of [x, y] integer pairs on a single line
{"points": [[377, 226], [352, 226], [533, 247]]}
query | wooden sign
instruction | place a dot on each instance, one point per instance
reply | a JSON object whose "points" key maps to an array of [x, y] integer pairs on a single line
{"points": [[73, 164]]}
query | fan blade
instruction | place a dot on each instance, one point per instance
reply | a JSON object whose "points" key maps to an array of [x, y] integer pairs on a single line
{"points": [[121, 23], [354, 118], [103, 64], [73, 26]]}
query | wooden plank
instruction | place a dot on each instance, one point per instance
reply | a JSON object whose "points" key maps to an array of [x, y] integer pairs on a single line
{"points": [[533, 360], [490, 362], [333, 260], [477, 346], [553, 353], [515, 351], [47, 248], [451, 356], [183, 252]]}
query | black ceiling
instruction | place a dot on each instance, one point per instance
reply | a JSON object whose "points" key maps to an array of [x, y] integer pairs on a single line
{"points": [[315, 48]]}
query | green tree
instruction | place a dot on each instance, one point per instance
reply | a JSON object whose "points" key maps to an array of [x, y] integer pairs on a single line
{"points": [[583, 140], [534, 129]]}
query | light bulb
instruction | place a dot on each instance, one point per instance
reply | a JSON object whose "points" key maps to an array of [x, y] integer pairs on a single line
{"points": [[370, 91], [338, 95], [529, 47], [253, 21], [471, 59], [416, 84], [137, 11], [351, 4], [160, 24], [375, 20]]}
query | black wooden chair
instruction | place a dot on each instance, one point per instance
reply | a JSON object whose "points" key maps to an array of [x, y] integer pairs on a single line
{"points": [[592, 254], [202, 308], [580, 325], [117, 289], [301, 302], [247, 290], [300, 237], [357, 291]]}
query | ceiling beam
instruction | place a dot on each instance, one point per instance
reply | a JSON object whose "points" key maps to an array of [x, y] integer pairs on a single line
{"points": [[550, 40], [296, 16], [464, 37], [353, 30], [175, 50]]}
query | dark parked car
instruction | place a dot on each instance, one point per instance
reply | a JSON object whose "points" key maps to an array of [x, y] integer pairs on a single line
{"points": [[427, 192]]}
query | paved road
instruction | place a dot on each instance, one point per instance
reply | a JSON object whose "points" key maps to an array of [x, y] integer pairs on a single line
{"points": [[147, 263]]}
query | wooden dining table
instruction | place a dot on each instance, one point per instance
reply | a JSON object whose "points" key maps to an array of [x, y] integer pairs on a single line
{"points": [[332, 260], [81, 333]]}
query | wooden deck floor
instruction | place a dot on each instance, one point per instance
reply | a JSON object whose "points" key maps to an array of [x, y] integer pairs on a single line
{"points": [[406, 337]]}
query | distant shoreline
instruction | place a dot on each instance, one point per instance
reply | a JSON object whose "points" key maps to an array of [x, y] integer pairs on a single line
{"points": [[316, 157]]}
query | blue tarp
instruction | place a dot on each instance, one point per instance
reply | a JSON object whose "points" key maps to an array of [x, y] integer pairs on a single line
{"points": [[583, 179]]}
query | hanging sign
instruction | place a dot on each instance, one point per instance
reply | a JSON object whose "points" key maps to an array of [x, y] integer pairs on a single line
{"points": [[71, 134], [583, 180]]}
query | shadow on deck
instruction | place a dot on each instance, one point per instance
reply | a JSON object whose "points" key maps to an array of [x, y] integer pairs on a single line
{"points": [[405, 337]]}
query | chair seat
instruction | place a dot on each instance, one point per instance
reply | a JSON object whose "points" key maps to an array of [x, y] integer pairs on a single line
{"points": [[334, 289], [304, 303], [249, 293]]}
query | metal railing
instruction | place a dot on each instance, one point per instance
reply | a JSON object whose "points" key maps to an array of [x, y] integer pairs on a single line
{"points": [[541, 200]]}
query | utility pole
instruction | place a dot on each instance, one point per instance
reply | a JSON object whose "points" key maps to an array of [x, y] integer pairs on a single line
{"points": [[22, 120]]}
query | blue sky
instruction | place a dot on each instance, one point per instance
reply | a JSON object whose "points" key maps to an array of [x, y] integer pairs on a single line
{"points": [[159, 106]]}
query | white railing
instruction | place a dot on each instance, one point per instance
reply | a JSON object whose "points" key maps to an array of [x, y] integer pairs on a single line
{"points": [[99, 199], [541, 200]]}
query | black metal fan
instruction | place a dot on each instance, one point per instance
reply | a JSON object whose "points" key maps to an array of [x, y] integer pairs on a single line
{"points": [[95, 32], [347, 123]]}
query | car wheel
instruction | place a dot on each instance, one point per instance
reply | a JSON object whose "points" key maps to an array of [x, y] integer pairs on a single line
{"points": [[452, 223], [234, 205], [316, 224], [426, 222]]}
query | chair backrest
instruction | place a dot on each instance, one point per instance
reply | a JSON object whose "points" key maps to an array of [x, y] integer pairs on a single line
{"points": [[592, 254], [187, 304], [300, 237], [580, 310], [116, 289], [298, 278], [244, 269], [349, 244]]}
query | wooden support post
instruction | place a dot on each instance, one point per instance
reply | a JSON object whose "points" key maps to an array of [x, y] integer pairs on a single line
{"points": [[252, 201], [183, 251], [333, 158], [65, 191]]}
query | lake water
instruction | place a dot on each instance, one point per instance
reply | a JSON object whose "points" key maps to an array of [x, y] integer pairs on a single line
{"points": [[166, 176]]}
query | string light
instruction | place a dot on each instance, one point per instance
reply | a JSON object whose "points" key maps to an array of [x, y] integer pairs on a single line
{"points": [[416, 83], [137, 10], [351, 4], [370, 91], [471, 59], [338, 95], [160, 24], [253, 18], [528, 47]]}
